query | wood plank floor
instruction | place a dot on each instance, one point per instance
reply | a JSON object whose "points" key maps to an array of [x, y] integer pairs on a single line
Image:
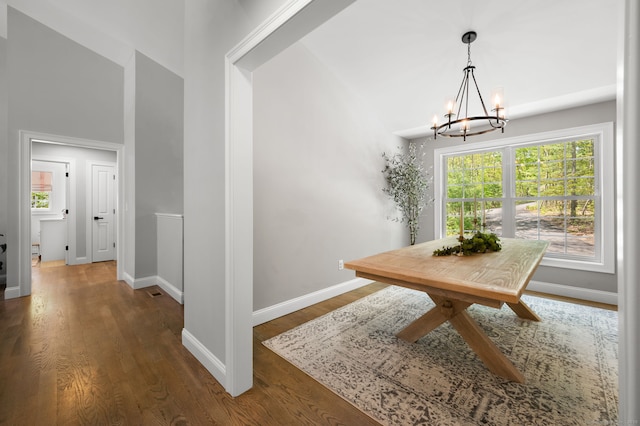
{"points": [[86, 349]]}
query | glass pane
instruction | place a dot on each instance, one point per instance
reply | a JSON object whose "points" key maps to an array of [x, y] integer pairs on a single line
{"points": [[454, 163], [454, 191], [552, 151], [493, 190], [527, 155], [552, 169], [528, 171], [551, 188], [580, 149], [40, 199], [580, 168], [526, 189], [492, 159], [453, 219], [492, 174], [581, 186], [527, 215], [472, 191], [491, 217], [454, 177]]}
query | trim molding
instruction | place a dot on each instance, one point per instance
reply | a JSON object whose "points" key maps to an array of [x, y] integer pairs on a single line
{"points": [[272, 312], [574, 292], [171, 290], [206, 358], [11, 293]]}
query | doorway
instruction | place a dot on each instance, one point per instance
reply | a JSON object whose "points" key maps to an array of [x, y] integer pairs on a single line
{"points": [[49, 208], [79, 153]]}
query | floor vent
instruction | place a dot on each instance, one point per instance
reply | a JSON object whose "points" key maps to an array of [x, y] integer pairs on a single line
{"points": [[154, 293]]}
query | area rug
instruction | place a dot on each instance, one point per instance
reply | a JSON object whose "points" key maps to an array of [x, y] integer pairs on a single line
{"points": [[569, 361]]}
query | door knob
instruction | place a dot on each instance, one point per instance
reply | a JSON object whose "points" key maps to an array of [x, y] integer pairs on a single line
{"points": [[97, 218]]}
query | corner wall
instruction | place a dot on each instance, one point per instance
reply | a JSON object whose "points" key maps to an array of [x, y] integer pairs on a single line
{"points": [[159, 133]]}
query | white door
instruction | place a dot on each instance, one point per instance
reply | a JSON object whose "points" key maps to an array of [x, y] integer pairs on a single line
{"points": [[103, 212]]}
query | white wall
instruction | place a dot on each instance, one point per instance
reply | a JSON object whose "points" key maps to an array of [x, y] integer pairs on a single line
{"points": [[56, 87], [159, 132], [212, 28], [317, 179]]}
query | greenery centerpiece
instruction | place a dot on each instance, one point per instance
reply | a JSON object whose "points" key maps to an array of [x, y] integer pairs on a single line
{"points": [[407, 184], [478, 242]]}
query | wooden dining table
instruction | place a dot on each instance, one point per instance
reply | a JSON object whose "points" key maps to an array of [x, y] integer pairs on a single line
{"points": [[456, 282]]}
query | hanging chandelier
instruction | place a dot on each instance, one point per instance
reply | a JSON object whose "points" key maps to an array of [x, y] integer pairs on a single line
{"points": [[458, 122]]}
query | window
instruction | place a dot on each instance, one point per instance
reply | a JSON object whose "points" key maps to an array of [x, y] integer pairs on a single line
{"points": [[41, 188], [556, 187]]}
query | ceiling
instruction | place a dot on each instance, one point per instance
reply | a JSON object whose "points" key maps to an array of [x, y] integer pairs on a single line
{"points": [[405, 57], [402, 57]]}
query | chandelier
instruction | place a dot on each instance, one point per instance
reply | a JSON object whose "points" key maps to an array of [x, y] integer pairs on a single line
{"points": [[458, 123]]}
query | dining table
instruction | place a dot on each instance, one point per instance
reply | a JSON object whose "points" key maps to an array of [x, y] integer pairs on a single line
{"points": [[456, 282]]}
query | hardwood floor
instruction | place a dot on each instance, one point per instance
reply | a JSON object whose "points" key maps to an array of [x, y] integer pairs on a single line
{"points": [[87, 349]]}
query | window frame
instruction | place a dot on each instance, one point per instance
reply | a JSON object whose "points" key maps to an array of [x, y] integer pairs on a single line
{"points": [[604, 184]]}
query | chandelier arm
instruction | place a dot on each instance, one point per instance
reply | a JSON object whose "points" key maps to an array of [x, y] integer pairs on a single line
{"points": [[479, 95], [461, 90]]}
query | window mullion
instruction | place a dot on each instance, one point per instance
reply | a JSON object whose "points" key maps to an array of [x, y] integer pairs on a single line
{"points": [[508, 185]]}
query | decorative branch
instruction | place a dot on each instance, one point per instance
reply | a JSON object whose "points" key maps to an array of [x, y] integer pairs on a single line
{"points": [[407, 185]]}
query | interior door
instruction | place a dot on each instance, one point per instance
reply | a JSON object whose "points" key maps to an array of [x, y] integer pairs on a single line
{"points": [[103, 212]]}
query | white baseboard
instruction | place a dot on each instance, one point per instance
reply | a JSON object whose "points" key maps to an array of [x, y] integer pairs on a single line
{"points": [[137, 283], [11, 293], [272, 312], [145, 282], [575, 292], [128, 279], [206, 358], [171, 290]]}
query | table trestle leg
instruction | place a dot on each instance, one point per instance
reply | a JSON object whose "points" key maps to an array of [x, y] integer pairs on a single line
{"points": [[486, 350], [523, 311], [443, 311]]}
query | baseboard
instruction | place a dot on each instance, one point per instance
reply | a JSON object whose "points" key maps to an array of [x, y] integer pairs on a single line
{"points": [[11, 293], [217, 369], [79, 261], [171, 290], [137, 283], [128, 279], [145, 282], [272, 312], [574, 292]]}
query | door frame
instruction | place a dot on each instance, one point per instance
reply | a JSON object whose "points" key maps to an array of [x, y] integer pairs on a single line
{"points": [[26, 137], [69, 202]]}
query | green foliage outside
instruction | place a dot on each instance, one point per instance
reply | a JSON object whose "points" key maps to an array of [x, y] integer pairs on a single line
{"points": [[40, 200], [562, 174]]}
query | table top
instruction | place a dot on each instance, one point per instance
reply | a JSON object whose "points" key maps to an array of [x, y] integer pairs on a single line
{"points": [[488, 278]]}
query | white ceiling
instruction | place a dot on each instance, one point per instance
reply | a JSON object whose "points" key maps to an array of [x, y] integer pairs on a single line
{"points": [[405, 57], [114, 28]]}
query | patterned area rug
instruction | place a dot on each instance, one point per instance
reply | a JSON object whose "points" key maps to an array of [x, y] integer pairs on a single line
{"points": [[569, 361]]}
